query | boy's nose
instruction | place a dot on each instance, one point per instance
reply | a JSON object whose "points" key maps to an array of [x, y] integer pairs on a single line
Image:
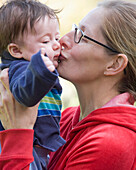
{"points": [[56, 45]]}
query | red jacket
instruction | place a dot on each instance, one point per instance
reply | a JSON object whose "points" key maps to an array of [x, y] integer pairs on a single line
{"points": [[104, 140], [17, 147]]}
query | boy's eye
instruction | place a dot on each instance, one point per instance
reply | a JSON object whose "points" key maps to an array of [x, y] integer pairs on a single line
{"points": [[45, 42]]}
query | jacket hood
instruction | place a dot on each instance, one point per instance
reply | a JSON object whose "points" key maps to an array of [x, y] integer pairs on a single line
{"points": [[119, 111]]}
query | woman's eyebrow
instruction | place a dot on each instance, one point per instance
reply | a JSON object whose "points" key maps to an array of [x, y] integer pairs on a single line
{"points": [[81, 26]]}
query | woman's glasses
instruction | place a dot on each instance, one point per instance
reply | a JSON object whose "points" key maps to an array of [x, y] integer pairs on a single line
{"points": [[79, 34]]}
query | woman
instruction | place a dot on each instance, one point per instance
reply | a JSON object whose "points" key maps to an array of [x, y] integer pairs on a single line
{"points": [[99, 58]]}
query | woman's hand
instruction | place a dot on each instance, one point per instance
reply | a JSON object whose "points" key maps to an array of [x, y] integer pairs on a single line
{"points": [[12, 114]]}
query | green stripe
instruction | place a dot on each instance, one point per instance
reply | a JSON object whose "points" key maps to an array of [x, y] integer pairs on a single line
{"points": [[51, 100]]}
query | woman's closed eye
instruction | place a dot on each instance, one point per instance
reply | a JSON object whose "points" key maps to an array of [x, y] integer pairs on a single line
{"points": [[84, 40]]}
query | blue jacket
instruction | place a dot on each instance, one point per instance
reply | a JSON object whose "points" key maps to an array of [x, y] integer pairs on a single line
{"points": [[31, 82]]}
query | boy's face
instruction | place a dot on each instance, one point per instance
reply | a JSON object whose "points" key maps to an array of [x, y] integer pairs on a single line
{"points": [[47, 36]]}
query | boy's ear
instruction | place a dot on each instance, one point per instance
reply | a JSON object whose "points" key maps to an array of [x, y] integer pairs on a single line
{"points": [[14, 50], [117, 65]]}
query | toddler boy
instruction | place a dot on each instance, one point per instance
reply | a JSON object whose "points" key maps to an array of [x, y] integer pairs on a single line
{"points": [[29, 47]]}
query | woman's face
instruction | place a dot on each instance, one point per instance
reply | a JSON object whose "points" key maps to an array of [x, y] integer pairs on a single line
{"points": [[86, 61]]}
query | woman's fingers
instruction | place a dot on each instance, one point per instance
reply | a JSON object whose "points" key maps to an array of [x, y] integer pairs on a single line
{"points": [[13, 115], [4, 78], [6, 103]]}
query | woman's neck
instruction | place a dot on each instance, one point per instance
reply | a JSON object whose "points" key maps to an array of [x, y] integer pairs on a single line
{"points": [[92, 97]]}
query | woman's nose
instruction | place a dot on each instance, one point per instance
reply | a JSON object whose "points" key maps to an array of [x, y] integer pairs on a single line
{"points": [[67, 40]]}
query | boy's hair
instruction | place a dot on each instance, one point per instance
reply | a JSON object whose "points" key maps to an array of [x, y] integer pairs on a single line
{"points": [[17, 15]]}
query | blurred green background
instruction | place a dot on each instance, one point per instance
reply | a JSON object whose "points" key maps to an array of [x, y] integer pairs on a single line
{"points": [[73, 11]]}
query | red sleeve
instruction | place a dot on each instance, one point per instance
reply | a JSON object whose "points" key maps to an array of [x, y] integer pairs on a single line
{"points": [[17, 149]]}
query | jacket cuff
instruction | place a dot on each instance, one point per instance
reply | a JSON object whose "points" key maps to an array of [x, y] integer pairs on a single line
{"points": [[17, 142]]}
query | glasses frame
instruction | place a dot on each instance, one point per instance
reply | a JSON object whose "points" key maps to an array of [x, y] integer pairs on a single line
{"points": [[89, 38]]}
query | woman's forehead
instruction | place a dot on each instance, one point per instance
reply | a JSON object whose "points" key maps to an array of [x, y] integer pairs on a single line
{"points": [[95, 16], [92, 21]]}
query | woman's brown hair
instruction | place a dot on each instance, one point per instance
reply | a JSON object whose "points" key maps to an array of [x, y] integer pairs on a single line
{"points": [[119, 31]]}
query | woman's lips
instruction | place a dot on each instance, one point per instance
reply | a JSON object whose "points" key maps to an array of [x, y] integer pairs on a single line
{"points": [[60, 58]]}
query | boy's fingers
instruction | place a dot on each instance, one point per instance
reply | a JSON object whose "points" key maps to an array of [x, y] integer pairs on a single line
{"points": [[51, 68], [43, 51], [48, 63], [44, 57]]}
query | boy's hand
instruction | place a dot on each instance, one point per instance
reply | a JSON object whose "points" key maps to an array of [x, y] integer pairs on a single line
{"points": [[47, 61]]}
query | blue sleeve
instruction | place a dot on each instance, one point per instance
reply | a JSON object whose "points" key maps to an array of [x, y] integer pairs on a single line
{"points": [[30, 81], [41, 159]]}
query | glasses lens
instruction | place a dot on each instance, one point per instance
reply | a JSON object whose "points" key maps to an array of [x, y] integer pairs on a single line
{"points": [[78, 33]]}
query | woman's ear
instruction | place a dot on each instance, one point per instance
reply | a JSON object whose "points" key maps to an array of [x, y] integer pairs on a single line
{"points": [[117, 65], [14, 50]]}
